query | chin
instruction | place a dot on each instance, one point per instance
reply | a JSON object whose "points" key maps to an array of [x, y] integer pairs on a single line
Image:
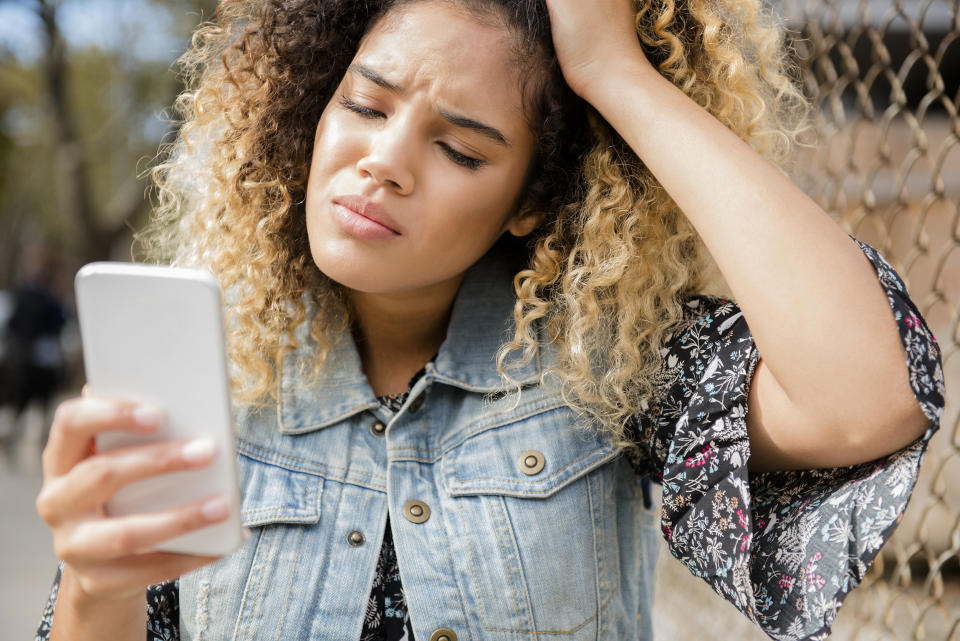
{"points": [[351, 273]]}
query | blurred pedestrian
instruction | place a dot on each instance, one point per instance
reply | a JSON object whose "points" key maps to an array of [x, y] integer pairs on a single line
{"points": [[33, 361]]}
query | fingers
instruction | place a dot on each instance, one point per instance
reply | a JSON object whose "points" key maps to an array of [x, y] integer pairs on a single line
{"points": [[95, 479], [113, 557], [77, 421], [110, 539]]}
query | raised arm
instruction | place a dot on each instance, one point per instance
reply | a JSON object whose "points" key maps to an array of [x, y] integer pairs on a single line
{"points": [[831, 387]]}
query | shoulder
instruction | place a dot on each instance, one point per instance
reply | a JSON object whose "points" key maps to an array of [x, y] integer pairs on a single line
{"points": [[708, 324]]}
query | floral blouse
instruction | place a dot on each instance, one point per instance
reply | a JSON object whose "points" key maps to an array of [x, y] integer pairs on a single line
{"points": [[784, 547]]}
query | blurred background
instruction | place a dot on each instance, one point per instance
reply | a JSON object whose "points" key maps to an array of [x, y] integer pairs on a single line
{"points": [[83, 89]]}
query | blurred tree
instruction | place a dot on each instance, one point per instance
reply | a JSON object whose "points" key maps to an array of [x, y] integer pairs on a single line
{"points": [[79, 122]]}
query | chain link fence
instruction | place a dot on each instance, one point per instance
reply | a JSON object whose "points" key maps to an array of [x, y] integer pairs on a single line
{"points": [[884, 77]]}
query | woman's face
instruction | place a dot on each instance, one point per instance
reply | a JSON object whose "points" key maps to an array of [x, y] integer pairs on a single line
{"points": [[421, 154]]}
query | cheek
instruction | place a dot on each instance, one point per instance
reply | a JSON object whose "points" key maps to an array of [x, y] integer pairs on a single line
{"points": [[474, 213], [332, 149], [490, 202]]}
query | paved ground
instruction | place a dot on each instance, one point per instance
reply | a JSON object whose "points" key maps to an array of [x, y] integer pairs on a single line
{"points": [[27, 563]]}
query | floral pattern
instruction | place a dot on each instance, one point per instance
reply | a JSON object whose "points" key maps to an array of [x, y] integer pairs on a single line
{"points": [[784, 547], [387, 618]]}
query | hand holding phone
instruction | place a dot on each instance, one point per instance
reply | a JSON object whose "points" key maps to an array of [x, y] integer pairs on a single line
{"points": [[111, 559]]}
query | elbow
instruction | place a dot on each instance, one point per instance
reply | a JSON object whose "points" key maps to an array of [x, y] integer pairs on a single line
{"points": [[886, 429]]}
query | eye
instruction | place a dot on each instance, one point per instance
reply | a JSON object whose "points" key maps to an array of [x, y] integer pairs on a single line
{"points": [[365, 112], [460, 159], [454, 155]]}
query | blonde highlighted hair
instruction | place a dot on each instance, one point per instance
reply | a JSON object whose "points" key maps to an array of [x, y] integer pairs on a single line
{"points": [[608, 271]]}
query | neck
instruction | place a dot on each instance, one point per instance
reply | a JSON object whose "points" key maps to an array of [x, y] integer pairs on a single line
{"points": [[397, 333]]}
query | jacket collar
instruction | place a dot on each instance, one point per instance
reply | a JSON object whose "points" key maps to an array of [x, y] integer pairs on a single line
{"points": [[480, 321]]}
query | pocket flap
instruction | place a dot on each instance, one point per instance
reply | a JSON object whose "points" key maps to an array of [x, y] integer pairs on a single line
{"points": [[492, 462], [274, 494]]}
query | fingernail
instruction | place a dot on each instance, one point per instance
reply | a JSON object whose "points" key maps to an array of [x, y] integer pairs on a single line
{"points": [[147, 417], [198, 450], [215, 509]]}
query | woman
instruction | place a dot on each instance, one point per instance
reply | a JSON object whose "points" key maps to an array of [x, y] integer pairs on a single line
{"points": [[433, 416]]}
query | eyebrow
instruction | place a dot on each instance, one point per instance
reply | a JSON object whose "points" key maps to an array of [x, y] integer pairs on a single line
{"points": [[458, 121]]}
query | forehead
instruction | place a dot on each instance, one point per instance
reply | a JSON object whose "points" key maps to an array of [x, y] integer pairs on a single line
{"points": [[443, 50]]}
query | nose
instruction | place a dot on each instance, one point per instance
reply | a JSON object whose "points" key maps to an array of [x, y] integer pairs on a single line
{"points": [[388, 160]]}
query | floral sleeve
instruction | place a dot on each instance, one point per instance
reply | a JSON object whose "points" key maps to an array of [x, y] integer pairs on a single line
{"points": [[784, 547], [163, 611]]}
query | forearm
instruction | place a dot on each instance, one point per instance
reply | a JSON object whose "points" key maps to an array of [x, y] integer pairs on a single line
{"points": [[819, 317], [78, 617]]}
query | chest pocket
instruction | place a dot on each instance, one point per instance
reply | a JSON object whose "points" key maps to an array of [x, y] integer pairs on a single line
{"points": [[248, 593], [273, 494], [537, 508]]}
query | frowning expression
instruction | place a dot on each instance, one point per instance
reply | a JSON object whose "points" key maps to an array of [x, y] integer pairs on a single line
{"points": [[421, 155]]}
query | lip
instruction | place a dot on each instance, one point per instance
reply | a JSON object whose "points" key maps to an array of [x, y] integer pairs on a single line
{"points": [[370, 211]]}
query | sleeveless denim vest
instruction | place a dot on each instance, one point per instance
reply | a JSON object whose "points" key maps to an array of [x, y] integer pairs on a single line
{"points": [[511, 521]]}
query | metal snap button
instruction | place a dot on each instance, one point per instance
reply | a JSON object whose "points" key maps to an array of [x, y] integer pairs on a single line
{"points": [[531, 462], [416, 511], [416, 404], [377, 428], [443, 634], [356, 538]]}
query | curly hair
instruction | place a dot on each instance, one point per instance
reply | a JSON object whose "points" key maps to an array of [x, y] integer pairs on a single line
{"points": [[608, 271]]}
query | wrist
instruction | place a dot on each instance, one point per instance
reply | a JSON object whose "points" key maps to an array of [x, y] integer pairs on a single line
{"points": [[634, 98], [79, 616], [80, 598], [602, 83]]}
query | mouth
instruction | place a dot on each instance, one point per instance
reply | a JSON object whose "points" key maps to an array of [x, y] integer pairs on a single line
{"points": [[364, 219], [366, 208]]}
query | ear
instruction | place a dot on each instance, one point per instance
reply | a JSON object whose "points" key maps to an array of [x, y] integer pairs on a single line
{"points": [[524, 222]]}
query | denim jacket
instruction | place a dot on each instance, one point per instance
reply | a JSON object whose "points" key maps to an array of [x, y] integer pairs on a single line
{"points": [[510, 521]]}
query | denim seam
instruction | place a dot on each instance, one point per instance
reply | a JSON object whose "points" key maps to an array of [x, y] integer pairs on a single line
{"points": [[515, 550], [442, 527], [334, 417], [551, 480], [245, 620], [328, 556], [456, 580], [428, 456], [414, 454], [473, 566], [293, 574], [261, 582], [485, 388], [597, 547], [503, 550], [500, 419], [277, 458], [271, 457]]}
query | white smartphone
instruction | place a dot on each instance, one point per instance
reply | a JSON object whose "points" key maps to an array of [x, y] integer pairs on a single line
{"points": [[154, 334]]}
